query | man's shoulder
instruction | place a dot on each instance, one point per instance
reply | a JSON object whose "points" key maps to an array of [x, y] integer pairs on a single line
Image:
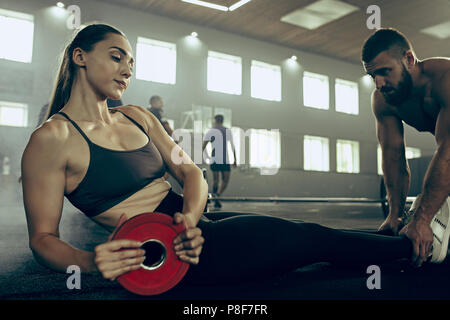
{"points": [[436, 68], [211, 130], [219, 128], [442, 88], [216, 130]]}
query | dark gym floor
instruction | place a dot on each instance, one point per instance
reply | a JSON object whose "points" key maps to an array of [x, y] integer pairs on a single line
{"points": [[21, 277]]}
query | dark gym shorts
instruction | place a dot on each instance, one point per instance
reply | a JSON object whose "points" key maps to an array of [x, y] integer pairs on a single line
{"points": [[172, 203], [220, 167]]}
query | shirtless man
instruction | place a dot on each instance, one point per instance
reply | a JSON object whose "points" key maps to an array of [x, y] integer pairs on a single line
{"points": [[416, 92]]}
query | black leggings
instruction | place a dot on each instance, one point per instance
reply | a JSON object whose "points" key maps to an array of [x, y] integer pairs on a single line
{"points": [[246, 247]]}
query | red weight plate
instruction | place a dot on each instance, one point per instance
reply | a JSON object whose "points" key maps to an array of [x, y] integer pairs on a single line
{"points": [[144, 227]]}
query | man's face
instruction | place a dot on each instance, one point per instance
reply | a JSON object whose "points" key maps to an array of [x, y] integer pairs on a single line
{"points": [[158, 104], [391, 78]]}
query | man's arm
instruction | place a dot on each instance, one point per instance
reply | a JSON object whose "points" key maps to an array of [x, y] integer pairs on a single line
{"points": [[205, 143], [234, 155], [395, 167], [233, 149], [206, 140], [436, 184], [167, 127]]}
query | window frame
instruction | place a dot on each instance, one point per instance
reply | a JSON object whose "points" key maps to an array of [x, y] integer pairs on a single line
{"points": [[142, 74], [254, 91], [226, 57]]}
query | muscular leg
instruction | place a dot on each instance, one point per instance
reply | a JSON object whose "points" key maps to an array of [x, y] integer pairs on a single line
{"points": [[215, 181], [225, 180], [247, 247], [216, 189]]}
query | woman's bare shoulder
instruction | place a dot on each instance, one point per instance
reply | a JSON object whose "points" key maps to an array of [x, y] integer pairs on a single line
{"points": [[52, 135], [138, 113]]}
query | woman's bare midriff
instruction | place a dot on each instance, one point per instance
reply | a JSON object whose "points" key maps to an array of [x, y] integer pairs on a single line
{"points": [[145, 200]]}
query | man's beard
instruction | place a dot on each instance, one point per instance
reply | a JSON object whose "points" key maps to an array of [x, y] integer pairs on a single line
{"points": [[402, 92]]}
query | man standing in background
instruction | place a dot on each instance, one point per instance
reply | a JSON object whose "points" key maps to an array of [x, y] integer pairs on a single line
{"points": [[219, 136], [156, 107]]}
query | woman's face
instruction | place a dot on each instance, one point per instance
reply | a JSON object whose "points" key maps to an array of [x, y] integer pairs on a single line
{"points": [[109, 66]]}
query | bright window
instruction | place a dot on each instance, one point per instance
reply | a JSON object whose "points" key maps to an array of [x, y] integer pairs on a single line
{"points": [[156, 61], [412, 153], [347, 156], [316, 155], [265, 81], [380, 160], [315, 91], [346, 96], [265, 150], [16, 36], [13, 114], [224, 73]]}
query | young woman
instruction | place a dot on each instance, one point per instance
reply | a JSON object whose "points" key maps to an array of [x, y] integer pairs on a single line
{"points": [[108, 162]]}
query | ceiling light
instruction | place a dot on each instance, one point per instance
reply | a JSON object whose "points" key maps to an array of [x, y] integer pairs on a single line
{"points": [[440, 31], [319, 13], [238, 4], [194, 34], [60, 5], [216, 6], [293, 58], [207, 4]]}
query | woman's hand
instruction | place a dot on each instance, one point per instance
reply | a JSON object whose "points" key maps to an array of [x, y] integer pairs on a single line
{"points": [[188, 244], [112, 260]]}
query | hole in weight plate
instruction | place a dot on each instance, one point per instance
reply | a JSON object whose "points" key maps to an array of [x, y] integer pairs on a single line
{"points": [[155, 254]]}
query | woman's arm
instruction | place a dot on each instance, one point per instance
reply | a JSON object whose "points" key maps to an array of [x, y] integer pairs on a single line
{"points": [[43, 180], [43, 171], [195, 188]]}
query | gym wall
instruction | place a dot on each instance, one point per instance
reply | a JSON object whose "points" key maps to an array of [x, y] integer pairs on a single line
{"points": [[32, 84]]}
